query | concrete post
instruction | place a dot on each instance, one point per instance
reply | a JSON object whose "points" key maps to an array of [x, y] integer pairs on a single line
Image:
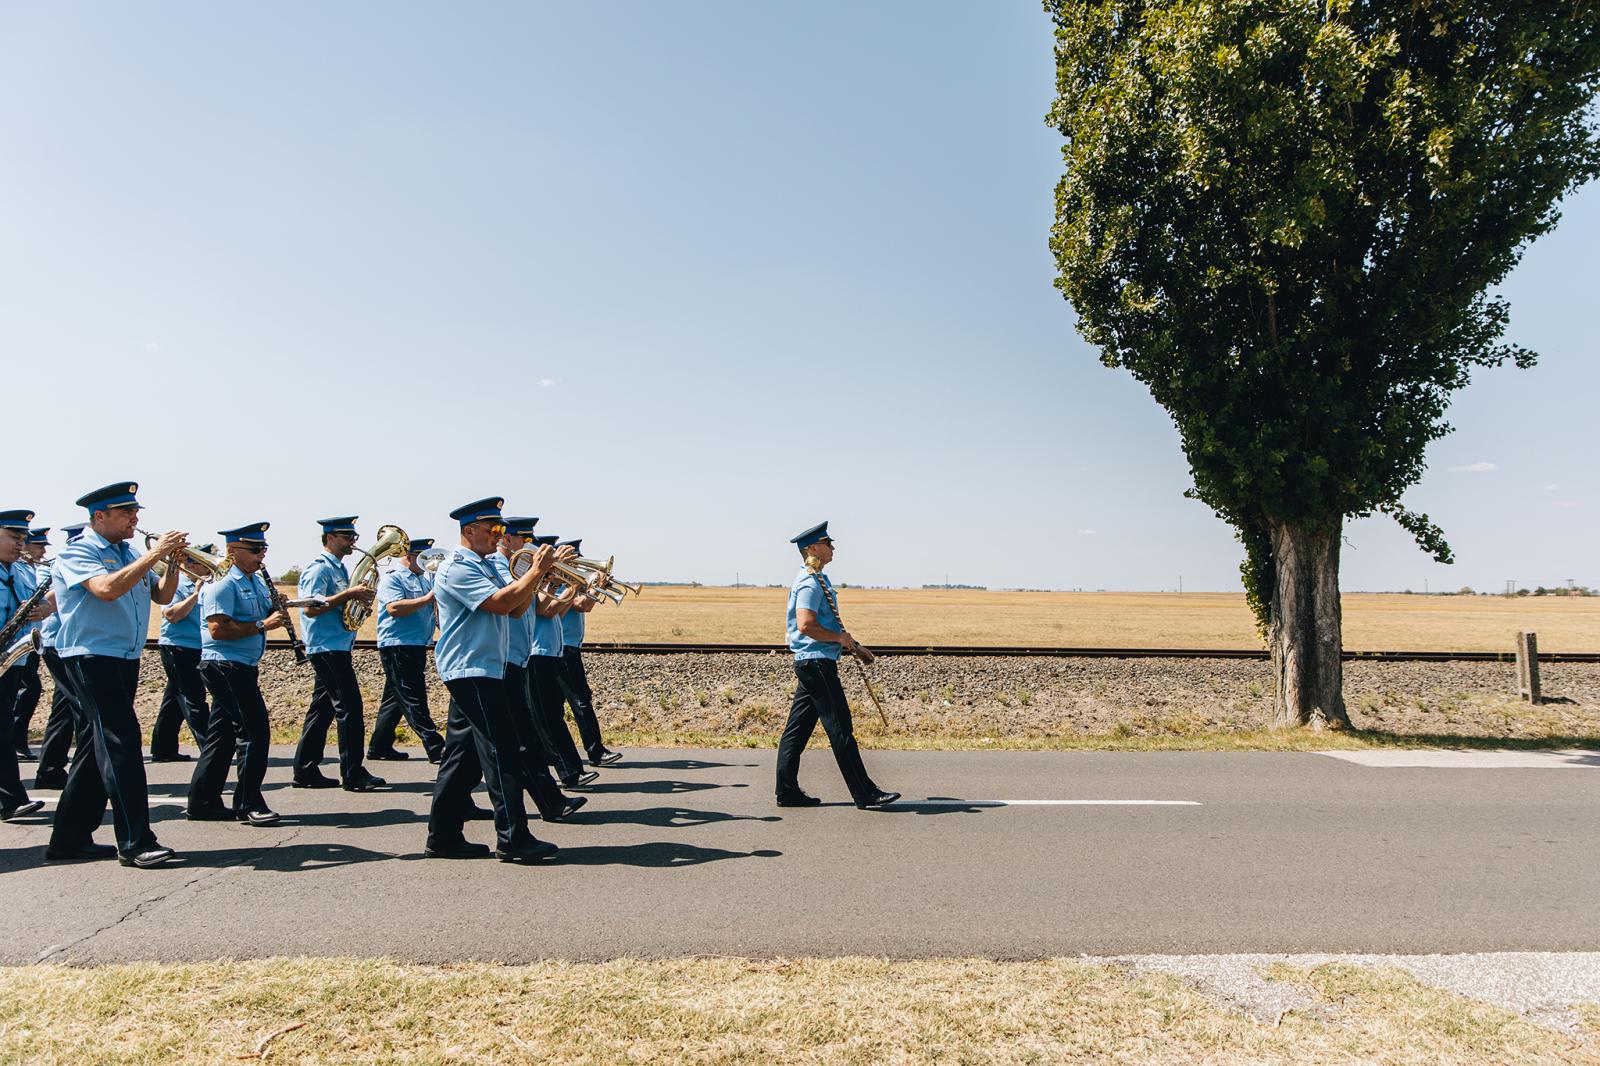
{"points": [[1528, 666]]}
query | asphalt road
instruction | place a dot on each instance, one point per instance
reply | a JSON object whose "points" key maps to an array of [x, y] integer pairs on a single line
{"points": [[682, 852]]}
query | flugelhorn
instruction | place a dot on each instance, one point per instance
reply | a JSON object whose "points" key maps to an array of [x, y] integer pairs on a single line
{"points": [[197, 564], [522, 560], [392, 541]]}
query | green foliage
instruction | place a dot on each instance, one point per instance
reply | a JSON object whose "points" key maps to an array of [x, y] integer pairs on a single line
{"points": [[1283, 217]]}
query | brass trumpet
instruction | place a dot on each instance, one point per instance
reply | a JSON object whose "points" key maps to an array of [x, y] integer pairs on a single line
{"points": [[522, 560], [200, 565], [392, 541], [603, 572]]}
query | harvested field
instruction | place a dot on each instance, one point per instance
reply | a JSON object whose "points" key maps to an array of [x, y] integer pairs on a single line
{"points": [[1044, 702], [1372, 621]]}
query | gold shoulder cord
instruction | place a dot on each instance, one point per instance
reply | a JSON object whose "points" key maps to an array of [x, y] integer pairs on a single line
{"points": [[833, 604]]}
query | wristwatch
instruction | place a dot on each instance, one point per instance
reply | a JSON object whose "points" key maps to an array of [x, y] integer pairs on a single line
{"points": [[261, 625]]}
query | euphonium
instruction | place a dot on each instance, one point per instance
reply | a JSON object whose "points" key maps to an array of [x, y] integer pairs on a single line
{"points": [[392, 541], [196, 563]]}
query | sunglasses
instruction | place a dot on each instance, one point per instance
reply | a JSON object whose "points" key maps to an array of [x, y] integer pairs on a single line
{"points": [[253, 549]]}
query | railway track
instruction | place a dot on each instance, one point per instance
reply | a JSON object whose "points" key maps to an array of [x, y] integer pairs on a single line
{"points": [[977, 650]]}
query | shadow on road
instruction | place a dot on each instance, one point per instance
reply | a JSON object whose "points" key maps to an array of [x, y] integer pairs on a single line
{"points": [[677, 764], [659, 855], [665, 817], [658, 788], [286, 858]]}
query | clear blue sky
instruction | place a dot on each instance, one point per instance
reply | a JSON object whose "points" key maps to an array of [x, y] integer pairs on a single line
{"points": [[682, 279]]}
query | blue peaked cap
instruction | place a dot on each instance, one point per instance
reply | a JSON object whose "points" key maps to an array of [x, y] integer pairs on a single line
{"points": [[479, 510], [254, 533], [17, 520], [811, 536], [342, 524], [118, 494]]}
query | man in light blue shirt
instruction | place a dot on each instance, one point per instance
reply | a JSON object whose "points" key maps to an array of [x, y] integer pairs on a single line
{"points": [[17, 585], [238, 614], [575, 678], [64, 722], [184, 698], [817, 638], [537, 757], [29, 688], [103, 593], [406, 622], [545, 666], [336, 696], [480, 741]]}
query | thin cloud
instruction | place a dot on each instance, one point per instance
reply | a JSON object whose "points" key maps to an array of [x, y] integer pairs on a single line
{"points": [[547, 383], [1475, 468], [1551, 488], [151, 346], [1085, 532]]}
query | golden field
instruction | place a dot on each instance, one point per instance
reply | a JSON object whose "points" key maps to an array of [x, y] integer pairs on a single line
{"points": [[1372, 621]]}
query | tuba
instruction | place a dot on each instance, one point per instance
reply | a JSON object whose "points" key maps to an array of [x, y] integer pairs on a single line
{"points": [[392, 542]]}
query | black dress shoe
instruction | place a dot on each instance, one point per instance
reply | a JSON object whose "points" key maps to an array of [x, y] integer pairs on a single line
{"points": [[218, 813], [605, 758], [79, 852], [476, 813], [26, 755], [436, 758], [259, 816], [55, 780], [365, 782], [176, 756], [798, 799], [568, 809], [389, 756], [881, 799], [147, 857], [21, 810], [320, 781], [579, 780], [531, 852], [460, 849]]}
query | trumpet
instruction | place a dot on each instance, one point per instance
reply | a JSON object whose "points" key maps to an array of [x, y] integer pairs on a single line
{"points": [[522, 560], [602, 571], [392, 541], [197, 564]]}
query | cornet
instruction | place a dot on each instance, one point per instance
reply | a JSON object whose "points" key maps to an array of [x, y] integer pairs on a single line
{"points": [[602, 572], [522, 560], [197, 564]]}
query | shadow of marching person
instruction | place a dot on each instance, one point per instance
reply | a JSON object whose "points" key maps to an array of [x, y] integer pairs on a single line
{"points": [[663, 855], [280, 858], [665, 817]]}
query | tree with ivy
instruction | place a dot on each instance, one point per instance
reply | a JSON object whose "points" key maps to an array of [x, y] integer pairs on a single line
{"points": [[1284, 217]]}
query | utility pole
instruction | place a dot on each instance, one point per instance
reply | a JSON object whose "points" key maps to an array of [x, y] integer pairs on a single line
{"points": [[1180, 584], [1424, 586]]}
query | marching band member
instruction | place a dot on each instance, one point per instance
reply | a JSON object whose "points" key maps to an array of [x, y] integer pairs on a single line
{"points": [[480, 741], [335, 696], [64, 723], [536, 755], [29, 691], [238, 614], [406, 623], [575, 679], [184, 698], [103, 593], [544, 677], [816, 637], [17, 584]]}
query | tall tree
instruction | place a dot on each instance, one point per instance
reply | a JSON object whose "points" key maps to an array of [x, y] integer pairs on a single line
{"points": [[1284, 216]]}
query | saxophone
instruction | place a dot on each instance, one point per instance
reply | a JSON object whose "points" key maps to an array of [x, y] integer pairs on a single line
{"points": [[29, 643]]}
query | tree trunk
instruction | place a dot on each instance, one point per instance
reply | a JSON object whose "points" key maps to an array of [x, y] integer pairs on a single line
{"points": [[1304, 629]]}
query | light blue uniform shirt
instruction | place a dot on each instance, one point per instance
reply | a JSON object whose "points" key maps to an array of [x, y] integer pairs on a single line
{"points": [[519, 631], [572, 628], [547, 633], [325, 577], [243, 598], [90, 625], [17, 583], [807, 592], [184, 634], [472, 643], [51, 625], [415, 629]]}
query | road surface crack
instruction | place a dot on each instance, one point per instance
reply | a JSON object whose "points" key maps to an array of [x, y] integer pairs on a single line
{"points": [[139, 909]]}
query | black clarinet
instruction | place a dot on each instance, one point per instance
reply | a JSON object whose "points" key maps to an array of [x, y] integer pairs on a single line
{"points": [[280, 602]]}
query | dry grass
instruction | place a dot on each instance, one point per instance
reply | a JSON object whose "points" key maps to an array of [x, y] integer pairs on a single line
{"points": [[1372, 621], [734, 1011]]}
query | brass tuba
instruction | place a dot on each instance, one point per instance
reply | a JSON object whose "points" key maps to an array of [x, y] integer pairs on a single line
{"points": [[198, 564], [392, 541]]}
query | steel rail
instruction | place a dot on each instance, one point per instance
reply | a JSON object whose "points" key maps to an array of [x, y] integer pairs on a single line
{"points": [[966, 651]]}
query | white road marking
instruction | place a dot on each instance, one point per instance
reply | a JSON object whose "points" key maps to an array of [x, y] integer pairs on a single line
{"points": [[1464, 759], [945, 802]]}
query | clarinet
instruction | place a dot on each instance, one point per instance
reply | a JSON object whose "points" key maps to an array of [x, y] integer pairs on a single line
{"points": [[281, 603]]}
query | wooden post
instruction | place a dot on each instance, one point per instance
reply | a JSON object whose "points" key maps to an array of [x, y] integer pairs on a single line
{"points": [[1528, 666]]}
